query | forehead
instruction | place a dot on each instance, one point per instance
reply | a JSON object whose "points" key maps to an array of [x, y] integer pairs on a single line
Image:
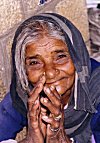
{"points": [[45, 45]]}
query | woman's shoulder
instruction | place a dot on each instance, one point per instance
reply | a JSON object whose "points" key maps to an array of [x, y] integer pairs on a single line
{"points": [[94, 64], [6, 106], [11, 121]]}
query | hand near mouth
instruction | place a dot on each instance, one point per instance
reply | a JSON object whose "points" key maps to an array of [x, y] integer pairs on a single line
{"points": [[53, 103], [55, 120], [36, 128]]}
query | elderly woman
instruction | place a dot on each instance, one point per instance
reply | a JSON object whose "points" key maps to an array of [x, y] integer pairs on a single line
{"points": [[54, 82]]}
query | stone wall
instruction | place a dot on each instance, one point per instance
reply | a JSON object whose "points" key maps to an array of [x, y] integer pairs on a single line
{"points": [[13, 12]]}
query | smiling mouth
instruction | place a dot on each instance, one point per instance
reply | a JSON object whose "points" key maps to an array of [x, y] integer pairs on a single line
{"points": [[54, 82]]}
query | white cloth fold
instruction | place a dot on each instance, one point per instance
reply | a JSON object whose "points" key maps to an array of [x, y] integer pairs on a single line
{"points": [[9, 141]]}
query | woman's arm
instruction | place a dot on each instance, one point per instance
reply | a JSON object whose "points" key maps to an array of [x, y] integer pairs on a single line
{"points": [[11, 121]]}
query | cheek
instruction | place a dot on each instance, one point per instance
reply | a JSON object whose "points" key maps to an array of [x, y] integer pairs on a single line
{"points": [[71, 69], [33, 76], [66, 84], [68, 68]]}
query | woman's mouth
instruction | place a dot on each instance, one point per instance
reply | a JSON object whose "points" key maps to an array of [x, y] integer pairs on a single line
{"points": [[55, 82]]}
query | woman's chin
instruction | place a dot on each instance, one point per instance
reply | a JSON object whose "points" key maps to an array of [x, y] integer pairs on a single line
{"points": [[63, 91], [60, 90]]}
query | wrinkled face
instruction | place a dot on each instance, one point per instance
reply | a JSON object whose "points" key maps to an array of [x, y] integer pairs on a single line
{"points": [[51, 56]]}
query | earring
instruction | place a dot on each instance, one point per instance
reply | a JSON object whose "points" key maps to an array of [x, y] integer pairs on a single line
{"points": [[56, 70]]}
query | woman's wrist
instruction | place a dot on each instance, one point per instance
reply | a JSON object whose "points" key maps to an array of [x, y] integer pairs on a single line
{"points": [[59, 137], [26, 140]]}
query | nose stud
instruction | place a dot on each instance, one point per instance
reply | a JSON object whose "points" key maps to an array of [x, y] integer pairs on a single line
{"points": [[56, 70]]}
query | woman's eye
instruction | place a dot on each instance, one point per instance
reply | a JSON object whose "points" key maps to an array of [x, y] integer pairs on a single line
{"points": [[61, 56], [34, 62]]}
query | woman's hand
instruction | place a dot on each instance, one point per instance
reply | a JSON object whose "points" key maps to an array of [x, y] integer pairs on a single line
{"points": [[55, 120], [53, 103], [36, 129], [40, 124]]}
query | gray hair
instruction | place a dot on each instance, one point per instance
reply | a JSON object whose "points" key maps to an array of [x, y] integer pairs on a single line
{"points": [[29, 34]]}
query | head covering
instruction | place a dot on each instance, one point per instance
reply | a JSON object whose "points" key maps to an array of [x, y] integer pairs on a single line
{"points": [[80, 109]]}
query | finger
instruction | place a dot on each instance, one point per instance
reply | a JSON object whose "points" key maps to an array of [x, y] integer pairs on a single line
{"points": [[34, 96], [37, 86], [33, 114], [33, 104], [53, 98], [53, 132], [53, 89], [49, 120], [43, 112], [54, 110]]}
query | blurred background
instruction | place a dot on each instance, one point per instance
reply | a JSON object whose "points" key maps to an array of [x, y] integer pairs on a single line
{"points": [[93, 11], [85, 14]]}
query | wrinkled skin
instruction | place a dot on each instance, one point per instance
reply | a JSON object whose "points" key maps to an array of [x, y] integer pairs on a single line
{"points": [[50, 69]]}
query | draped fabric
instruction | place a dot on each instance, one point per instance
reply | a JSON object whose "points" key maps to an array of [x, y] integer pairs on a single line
{"points": [[81, 106]]}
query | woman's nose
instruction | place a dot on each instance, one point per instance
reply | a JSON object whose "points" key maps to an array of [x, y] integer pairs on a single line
{"points": [[51, 72]]}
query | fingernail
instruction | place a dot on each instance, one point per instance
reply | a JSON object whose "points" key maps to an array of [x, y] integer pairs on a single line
{"points": [[40, 85], [52, 87], [45, 100], [47, 90], [44, 117], [37, 101]]}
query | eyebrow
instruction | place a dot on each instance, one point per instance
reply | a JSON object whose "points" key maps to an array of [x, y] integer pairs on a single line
{"points": [[36, 56], [59, 51], [32, 57]]}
